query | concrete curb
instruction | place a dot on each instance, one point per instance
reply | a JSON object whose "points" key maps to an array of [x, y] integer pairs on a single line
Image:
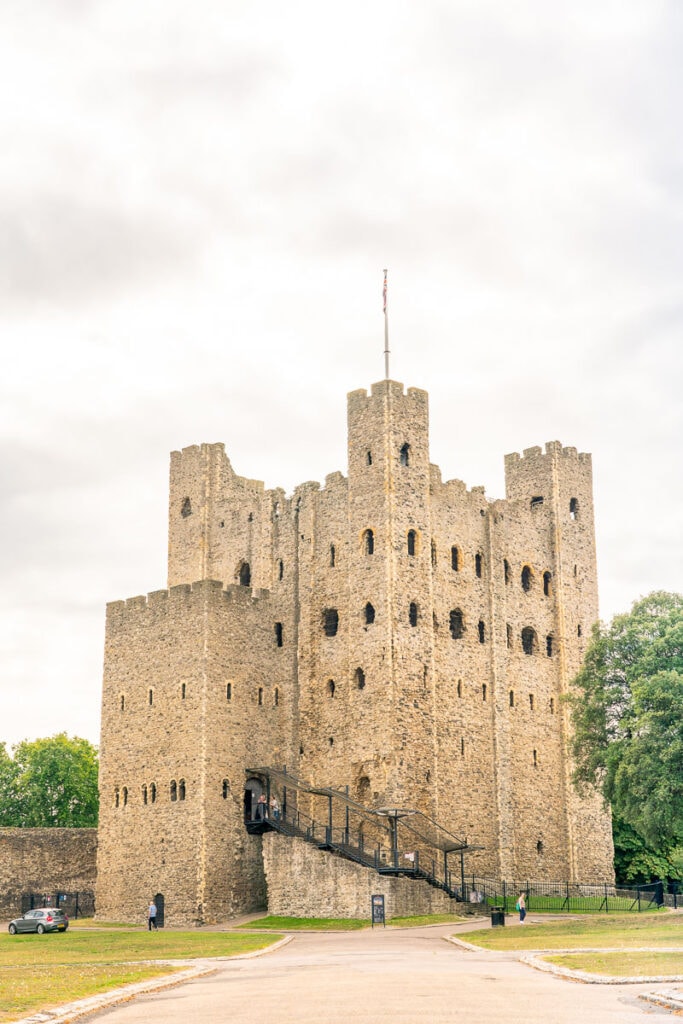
{"points": [[671, 999], [198, 968]]}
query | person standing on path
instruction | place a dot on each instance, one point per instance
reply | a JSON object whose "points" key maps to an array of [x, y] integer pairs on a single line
{"points": [[521, 907], [152, 917]]}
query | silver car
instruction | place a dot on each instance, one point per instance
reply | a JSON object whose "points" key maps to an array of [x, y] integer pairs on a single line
{"points": [[44, 920]]}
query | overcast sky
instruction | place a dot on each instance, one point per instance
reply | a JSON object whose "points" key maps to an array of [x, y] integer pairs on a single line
{"points": [[196, 204]]}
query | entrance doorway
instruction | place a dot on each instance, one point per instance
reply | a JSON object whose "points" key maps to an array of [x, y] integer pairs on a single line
{"points": [[252, 791]]}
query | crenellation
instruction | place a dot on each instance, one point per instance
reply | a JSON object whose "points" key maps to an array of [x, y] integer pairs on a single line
{"points": [[390, 632]]}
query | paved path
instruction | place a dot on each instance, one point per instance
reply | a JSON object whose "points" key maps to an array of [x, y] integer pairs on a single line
{"points": [[383, 976]]}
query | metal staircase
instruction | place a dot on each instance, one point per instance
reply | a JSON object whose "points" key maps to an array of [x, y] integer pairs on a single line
{"points": [[391, 841]]}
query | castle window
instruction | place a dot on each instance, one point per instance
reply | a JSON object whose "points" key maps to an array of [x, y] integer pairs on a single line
{"points": [[434, 552], [506, 570], [278, 634], [483, 692], [369, 542], [456, 624], [368, 456], [528, 640], [412, 614], [531, 702], [331, 741], [576, 571], [405, 454], [539, 847], [150, 697], [369, 614], [573, 508], [482, 631], [549, 645], [152, 792], [412, 537], [536, 502], [181, 789], [116, 796], [546, 583], [276, 697], [174, 790], [186, 508], [183, 691], [508, 636], [123, 702], [552, 705], [535, 759], [462, 746], [331, 687], [144, 794], [228, 691], [221, 523], [333, 555], [459, 688], [260, 696], [511, 698], [330, 621], [455, 559], [280, 569], [124, 794], [359, 676], [245, 574], [226, 789], [578, 631], [526, 578], [478, 560], [363, 787]]}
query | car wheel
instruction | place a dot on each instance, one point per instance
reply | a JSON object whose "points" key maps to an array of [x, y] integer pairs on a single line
{"points": [[66, 927], [40, 929], [13, 929]]}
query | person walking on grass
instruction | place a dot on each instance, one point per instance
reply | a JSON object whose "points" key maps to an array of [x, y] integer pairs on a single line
{"points": [[152, 917], [521, 907]]}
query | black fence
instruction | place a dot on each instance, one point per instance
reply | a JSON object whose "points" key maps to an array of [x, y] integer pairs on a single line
{"points": [[574, 897], [74, 904]]}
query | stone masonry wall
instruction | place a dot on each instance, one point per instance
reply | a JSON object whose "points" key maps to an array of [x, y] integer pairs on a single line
{"points": [[45, 860]]}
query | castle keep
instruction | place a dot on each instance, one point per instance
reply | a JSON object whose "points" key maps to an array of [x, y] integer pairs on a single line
{"points": [[389, 632]]}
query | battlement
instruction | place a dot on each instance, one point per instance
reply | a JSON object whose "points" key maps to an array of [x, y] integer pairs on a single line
{"points": [[537, 455]]}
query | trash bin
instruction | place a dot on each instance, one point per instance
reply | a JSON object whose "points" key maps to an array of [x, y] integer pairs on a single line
{"points": [[497, 916]]}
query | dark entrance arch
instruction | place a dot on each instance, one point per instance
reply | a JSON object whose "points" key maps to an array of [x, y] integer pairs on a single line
{"points": [[252, 791], [159, 900]]}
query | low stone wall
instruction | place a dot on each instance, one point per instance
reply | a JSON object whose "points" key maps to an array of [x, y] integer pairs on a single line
{"points": [[305, 882], [45, 860]]}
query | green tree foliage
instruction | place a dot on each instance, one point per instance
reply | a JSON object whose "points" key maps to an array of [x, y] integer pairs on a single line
{"points": [[49, 782], [627, 711]]}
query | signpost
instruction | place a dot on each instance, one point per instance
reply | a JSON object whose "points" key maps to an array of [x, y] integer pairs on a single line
{"points": [[378, 911]]}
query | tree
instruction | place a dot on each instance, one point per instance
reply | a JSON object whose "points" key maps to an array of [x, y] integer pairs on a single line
{"points": [[627, 712], [50, 782]]}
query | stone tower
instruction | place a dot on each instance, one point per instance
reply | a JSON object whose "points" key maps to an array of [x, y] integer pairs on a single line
{"points": [[389, 632]]}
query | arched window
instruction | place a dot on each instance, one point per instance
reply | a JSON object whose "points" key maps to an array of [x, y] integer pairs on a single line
{"points": [[539, 847], [181, 789], [174, 790], [456, 624], [369, 542], [226, 789], [331, 687], [186, 508], [549, 645], [405, 454], [369, 614], [482, 631], [455, 559], [526, 578], [478, 562], [245, 574], [529, 640], [573, 508], [546, 583], [536, 501], [412, 537], [359, 676], [228, 691], [330, 621], [278, 634], [412, 614]]}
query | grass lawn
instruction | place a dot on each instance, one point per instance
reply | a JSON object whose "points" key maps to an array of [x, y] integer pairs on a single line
{"points": [[614, 930], [41, 971], [574, 905], [418, 921], [319, 924], [623, 964]]}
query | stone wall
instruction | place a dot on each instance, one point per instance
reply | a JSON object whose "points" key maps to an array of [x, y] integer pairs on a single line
{"points": [[305, 882], [45, 860]]}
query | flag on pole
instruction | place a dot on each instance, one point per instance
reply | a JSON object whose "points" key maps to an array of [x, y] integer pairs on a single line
{"points": [[384, 294]]}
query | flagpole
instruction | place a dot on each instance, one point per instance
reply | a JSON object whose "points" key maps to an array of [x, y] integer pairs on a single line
{"points": [[386, 329]]}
